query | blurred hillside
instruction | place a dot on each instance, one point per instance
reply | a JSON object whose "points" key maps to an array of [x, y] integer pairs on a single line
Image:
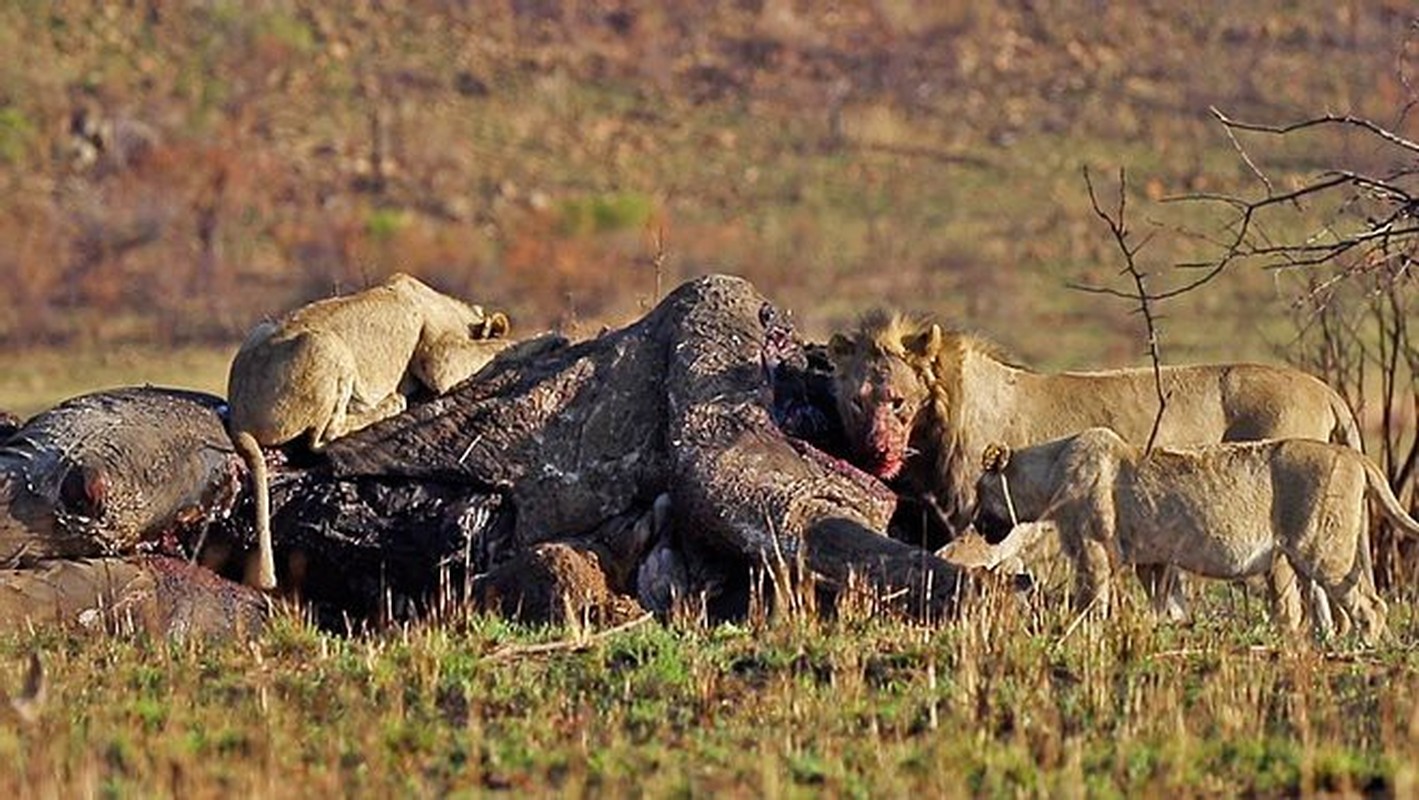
{"points": [[176, 171]]}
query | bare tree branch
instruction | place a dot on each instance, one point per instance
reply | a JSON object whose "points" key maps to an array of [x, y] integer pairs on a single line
{"points": [[1118, 226], [1246, 158], [1326, 119], [1401, 70]]}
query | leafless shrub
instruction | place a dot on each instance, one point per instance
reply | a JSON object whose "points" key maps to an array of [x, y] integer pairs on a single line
{"points": [[1349, 239]]}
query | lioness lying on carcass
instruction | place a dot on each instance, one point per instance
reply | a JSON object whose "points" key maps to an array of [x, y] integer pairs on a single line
{"points": [[340, 364], [1276, 507]]}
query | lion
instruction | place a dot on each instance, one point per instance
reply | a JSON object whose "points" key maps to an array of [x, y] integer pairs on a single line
{"points": [[1280, 507], [919, 403], [340, 364]]}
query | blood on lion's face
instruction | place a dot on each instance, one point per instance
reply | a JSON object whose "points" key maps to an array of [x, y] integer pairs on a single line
{"points": [[879, 398], [882, 385]]}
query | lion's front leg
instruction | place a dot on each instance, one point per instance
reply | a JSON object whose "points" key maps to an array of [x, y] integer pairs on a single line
{"points": [[1094, 578], [1163, 585], [1086, 542]]}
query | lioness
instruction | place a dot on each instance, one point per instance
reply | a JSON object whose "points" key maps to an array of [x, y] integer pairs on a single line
{"points": [[340, 364], [1233, 510], [920, 403]]}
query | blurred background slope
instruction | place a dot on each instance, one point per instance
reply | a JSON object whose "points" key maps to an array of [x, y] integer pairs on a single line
{"points": [[175, 172]]}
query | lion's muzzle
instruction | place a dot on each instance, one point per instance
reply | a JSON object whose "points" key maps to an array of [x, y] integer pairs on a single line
{"points": [[883, 447]]}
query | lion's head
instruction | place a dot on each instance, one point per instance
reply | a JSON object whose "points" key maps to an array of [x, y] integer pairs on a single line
{"points": [[882, 383]]}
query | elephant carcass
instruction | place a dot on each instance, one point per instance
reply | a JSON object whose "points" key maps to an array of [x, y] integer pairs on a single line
{"points": [[161, 596], [555, 446]]}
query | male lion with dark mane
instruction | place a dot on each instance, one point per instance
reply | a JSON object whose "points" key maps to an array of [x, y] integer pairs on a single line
{"points": [[1276, 507]]}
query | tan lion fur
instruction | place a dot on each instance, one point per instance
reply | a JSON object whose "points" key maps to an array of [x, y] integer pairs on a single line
{"points": [[1276, 507], [340, 364], [958, 393]]}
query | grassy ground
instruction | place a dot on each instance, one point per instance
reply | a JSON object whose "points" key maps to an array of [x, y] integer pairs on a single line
{"points": [[53, 374], [1011, 700]]}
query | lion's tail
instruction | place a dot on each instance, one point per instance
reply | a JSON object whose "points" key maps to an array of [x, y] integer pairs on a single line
{"points": [[250, 452], [1347, 428], [1389, 504]]}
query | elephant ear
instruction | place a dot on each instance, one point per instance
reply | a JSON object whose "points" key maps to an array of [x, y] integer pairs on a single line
{"points": [[995, 457], [841, 346]]}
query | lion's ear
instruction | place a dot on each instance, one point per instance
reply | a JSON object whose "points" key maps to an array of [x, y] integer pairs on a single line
{"points": [[925, 344], [840, 346], [995, 456], [494, 326]]}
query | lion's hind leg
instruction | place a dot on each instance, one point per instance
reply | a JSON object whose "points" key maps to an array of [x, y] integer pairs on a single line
{"points": [[351, 412], [1363, 604], [1349, 588], [1328, 552], [361, 415], [1284, 591]]}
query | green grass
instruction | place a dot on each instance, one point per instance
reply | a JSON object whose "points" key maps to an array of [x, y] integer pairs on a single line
{"points": [[1006, 701]]}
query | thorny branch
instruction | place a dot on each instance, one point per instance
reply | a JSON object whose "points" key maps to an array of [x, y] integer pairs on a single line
{"points": [[1118, 226]]}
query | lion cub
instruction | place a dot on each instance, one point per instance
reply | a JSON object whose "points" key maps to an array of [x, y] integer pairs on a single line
{"points": [[1278, 507], [337, 365]]}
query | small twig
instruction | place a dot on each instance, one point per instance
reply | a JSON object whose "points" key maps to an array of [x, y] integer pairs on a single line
{"points": [[1009, 501], [1078, 619], [201, 543], [469, 449], [658, 260], [576, 645], [1181, 652], [1246, 157]]}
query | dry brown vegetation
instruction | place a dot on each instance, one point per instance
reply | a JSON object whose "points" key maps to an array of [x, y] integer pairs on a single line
{"points": [[1014, 699], [241, 159]]}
